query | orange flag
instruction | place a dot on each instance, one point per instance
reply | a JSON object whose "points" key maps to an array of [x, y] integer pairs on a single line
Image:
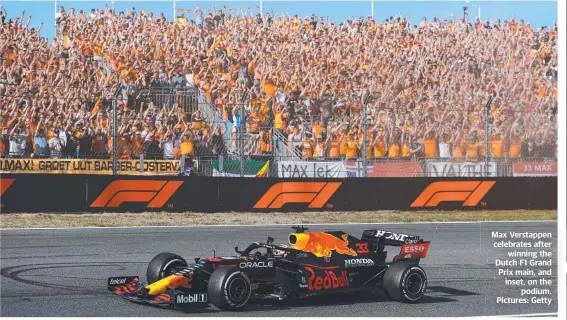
{"points": [[97, 106]]}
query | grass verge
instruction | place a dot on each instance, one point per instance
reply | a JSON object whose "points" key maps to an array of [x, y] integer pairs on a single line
{"points": [[45, 220]]}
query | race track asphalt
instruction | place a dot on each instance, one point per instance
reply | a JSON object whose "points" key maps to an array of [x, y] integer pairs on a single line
{"points": [[55, 273]]}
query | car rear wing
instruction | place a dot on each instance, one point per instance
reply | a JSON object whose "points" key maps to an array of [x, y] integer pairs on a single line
{"points": [[412, 247], [389, 238]]}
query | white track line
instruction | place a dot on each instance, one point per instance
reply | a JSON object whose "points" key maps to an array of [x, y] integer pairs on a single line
{"points": [[527, 315], [280, 225]]}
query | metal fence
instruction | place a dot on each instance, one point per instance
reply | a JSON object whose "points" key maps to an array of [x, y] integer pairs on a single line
{"points": [[299, 136], [170, 131], [185, 98]]}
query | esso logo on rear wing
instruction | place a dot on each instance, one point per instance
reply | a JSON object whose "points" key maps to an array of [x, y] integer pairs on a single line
{"points": [[413, 250]]}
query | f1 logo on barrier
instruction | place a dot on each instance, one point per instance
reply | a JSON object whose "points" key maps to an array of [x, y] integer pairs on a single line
{"points": [[469, 192], [155, 192], [5, 183], [315, 193]]}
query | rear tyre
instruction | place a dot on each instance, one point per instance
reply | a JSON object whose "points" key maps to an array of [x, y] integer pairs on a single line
{"points": [[163, 265], [229, 289], [405, 282]]}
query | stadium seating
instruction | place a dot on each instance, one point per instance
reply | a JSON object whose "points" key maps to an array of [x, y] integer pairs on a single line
{"points": [[184, 87]]}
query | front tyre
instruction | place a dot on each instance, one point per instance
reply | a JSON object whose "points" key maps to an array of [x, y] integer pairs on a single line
{"points": [[405, 282], [163, 265], [229, 289]]}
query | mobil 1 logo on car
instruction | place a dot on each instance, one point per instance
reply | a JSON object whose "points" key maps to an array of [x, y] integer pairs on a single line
{"points": [[190, 300]]}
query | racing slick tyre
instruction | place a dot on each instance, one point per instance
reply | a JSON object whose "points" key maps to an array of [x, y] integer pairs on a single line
{"points": [[405, 282], [163, 265], [229, 289]]}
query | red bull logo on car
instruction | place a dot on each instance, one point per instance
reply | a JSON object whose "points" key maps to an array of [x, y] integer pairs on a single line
{"points": [[328, 280], [321, 244]]}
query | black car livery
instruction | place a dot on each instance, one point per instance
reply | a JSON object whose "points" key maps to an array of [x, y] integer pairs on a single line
{"points": [[314, 262]]}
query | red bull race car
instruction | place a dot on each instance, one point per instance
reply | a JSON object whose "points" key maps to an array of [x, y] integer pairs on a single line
{"points": [[312, 263]]}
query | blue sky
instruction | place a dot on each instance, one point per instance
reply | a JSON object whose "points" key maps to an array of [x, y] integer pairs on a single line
{"points": [[542, 12]]}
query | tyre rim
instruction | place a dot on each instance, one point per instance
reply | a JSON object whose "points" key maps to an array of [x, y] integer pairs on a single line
{"points": [[414, 283], [237, 290], [166, 271]]}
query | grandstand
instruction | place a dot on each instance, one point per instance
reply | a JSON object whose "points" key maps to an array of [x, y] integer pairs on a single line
{"points": [[280, 88]]}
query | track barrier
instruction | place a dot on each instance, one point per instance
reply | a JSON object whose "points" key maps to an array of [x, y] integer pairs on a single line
{"points": [[99, 193]]}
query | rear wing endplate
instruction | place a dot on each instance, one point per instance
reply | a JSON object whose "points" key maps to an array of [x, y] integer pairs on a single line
{"points": [[412, 246]]}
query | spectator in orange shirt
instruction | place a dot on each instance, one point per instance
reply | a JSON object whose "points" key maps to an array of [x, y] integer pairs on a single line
{"points": [[187, 148], [406, 151], [307, 147], [352, 147], [137, 144], [459, 146], [322, 70], [472, 150], [394, 146], [100, 146], [430, 144], [333, 147], [125, 147], [317, 128], [379, 144], [496, 145], [516, 139], [265, 141], [319, 149]]}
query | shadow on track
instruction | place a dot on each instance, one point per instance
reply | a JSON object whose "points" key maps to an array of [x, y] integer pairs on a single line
{"points": [[441, 294]]}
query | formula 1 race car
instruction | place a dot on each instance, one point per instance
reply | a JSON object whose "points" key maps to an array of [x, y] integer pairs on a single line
{"points": [[314, 263]]}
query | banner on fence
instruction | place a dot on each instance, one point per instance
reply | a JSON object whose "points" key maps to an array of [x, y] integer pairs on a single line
{"points": [[384, 169], [231, 168], [101, 193], [460, 169], [88, 166], [534, 169], [306, 169]]}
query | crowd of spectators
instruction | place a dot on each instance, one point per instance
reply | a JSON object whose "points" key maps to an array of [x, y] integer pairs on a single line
{"points": [[426, 85]]}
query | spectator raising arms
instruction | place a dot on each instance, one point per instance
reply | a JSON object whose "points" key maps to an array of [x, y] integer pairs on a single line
{"points": [[307, 78]]}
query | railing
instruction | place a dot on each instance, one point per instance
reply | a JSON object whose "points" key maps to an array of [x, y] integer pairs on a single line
{"points": [[282, 151], [104, 64], [210, 112], [185, 97]]}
